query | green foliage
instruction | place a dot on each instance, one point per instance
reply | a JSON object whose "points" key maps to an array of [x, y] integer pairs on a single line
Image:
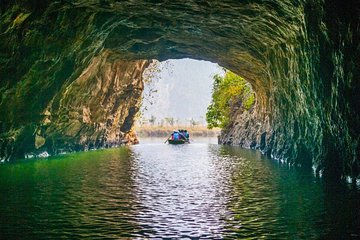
{"points": [[229, 92], [249, 101]]}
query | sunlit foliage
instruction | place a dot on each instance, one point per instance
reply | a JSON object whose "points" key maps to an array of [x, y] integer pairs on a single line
{"points": [[229, 93]]}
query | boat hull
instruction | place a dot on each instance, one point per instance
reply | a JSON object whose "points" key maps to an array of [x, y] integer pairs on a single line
{"points": [[177, 141]]}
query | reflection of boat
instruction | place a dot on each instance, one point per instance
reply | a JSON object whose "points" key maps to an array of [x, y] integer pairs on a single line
{"points": [[180, 141]]}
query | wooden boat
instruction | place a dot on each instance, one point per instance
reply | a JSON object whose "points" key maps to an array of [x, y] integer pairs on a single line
{"points": [[180, 141]]}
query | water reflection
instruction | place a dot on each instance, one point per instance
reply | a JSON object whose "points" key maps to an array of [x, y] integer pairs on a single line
{"points": [[270, 201], [183, 193], [156, 190]]}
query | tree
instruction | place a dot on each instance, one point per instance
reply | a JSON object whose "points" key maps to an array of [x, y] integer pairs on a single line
{"points": [[151, 78], [170, 121], [229, 92], [193, 122], [152, 120]]}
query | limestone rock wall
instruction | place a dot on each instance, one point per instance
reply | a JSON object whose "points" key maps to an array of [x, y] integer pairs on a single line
{"points": [[94, 110], [311, 115], [301, 57]]}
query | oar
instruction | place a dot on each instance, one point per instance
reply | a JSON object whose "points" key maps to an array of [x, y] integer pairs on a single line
{"points": [[167, 139], [186, 139]]}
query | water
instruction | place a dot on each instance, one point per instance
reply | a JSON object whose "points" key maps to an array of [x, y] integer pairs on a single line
{"points": [[151, 190]]}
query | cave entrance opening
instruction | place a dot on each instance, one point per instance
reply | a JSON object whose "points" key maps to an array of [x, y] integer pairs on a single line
{"points": [[188, 94]]}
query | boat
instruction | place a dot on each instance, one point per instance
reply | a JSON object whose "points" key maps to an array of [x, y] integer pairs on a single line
{"points": [[180, 141], [178, 137]]}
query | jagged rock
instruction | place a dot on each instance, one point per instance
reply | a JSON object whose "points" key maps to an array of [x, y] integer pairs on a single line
{"points": [[301, 57], [95, 110]]}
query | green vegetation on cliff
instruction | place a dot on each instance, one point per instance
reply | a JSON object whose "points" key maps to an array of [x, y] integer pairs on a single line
{"points": [[229, 92]]}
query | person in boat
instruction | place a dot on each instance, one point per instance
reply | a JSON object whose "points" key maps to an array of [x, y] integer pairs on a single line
{"points": [[178, 136], [182, 134], [175, 135], [186, 134]]}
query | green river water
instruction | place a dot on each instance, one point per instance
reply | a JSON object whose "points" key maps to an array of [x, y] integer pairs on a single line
{"points": [[153, 190]]}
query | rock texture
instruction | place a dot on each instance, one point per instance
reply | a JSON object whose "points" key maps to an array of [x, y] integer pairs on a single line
{"points": [[94, 110], [301, 57]]}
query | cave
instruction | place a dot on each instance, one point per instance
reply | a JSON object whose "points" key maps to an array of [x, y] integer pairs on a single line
{"points": [[71, 73]]}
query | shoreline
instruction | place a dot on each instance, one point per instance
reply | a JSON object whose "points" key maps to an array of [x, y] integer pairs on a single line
{"points": [[165, 131]]}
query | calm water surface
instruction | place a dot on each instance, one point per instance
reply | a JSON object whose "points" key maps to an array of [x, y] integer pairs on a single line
{"points": [[152, 190]]}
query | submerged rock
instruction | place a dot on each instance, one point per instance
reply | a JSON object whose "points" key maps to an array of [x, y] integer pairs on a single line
{"points": [[301, 57]]}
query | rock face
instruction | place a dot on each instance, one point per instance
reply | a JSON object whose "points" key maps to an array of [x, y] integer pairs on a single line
{"points": [[94, 110], [301, 57]]}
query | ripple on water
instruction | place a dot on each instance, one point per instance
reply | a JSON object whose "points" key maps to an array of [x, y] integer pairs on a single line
{"points": [[156, 190]]}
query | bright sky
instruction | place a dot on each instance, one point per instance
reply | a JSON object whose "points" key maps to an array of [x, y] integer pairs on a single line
{"points": [[183, 90]]}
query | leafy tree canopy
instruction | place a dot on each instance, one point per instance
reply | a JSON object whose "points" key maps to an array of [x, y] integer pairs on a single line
{"points": [[229, 92]]}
